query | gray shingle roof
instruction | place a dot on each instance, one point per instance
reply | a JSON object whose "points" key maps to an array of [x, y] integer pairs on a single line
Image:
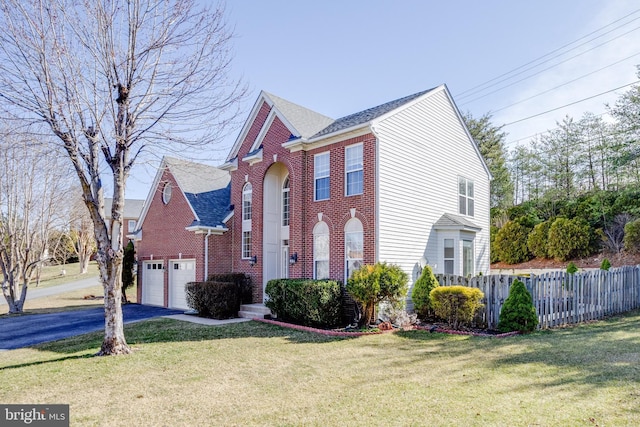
{"points": [[455, 222], [366, 116], [132, 208], [307, 122], [207, 189]]}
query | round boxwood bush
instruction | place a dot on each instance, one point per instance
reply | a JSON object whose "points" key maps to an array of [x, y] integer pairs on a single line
{"points": [[568, 238], [457, 305], [537, 240], [420, 294], [631, 238], [518, 312], [510, 243]]}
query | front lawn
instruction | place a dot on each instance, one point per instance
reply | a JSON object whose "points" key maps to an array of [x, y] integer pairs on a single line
{"points": [[259, 374]]}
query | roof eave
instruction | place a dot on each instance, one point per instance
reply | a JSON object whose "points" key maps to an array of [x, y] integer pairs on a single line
{"points": [[205, 229]]}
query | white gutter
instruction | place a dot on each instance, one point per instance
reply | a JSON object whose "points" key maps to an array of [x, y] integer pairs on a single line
{"points": [[206, 255]]}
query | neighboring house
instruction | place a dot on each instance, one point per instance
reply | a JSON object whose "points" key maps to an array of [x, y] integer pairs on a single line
{"points": [[315, 197], [130, 216]]}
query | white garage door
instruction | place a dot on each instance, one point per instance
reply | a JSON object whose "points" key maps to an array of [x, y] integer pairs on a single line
{"points": [[180, 273], [153, 283]]}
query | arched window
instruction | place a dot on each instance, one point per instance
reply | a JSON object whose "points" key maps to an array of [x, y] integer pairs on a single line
{"points": [[246, 201], [246, 220], [354, 246], [321, 250], [285, 202]]}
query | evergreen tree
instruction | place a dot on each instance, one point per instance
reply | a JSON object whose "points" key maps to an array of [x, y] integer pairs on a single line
{"points": [[128, 262], [518, 312]]}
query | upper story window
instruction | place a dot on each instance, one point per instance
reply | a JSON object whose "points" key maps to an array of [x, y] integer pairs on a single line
{"points": [[354, 169], [321, 176], [285, 202], [465, 196], [131, 225], [246, 202]]}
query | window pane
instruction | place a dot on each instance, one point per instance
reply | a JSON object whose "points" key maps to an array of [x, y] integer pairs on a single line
{"points": [[470, 207], [462, 202], [246, 244], [467, 258], [448, 267], [322, 188], [322, 270], [354, 183], [353, 158], [321, 165], [470, 189], [462, 185]]}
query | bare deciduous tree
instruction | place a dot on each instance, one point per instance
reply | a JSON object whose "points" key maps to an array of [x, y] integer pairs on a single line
{"points": [[32, 189], [81, 235], [111, 78]]}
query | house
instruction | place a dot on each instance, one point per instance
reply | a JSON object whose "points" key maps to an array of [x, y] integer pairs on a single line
{"points": [[130, 216], [310, 196]]}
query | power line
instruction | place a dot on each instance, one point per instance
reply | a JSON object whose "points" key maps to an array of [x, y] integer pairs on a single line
{"points": [[567, 105], [565, 83], [544, 69], [462, 94]]}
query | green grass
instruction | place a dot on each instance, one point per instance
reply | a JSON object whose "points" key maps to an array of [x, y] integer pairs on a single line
{"points": [[258, 374], [51, 275]]}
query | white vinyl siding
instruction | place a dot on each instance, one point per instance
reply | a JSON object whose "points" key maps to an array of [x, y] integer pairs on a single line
{"points": [[421, 152], [321, 172]]}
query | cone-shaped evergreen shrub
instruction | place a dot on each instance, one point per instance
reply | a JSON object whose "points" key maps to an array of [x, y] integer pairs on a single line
{"points": [[605, 265], [518, 312], [571, 268], [420, 293]]}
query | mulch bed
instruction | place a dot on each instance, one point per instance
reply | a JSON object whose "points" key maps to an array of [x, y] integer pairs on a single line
{"points": [[343, 333]]}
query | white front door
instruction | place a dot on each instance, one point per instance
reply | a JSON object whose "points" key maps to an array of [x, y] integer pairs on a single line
{"points": [[181, 272], [153, 283]]}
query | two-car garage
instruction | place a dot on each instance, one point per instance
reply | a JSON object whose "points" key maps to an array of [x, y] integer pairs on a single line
{"points": [[180, 272]]}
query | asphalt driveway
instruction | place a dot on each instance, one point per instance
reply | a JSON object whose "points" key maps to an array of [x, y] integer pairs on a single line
{"points": [[28, 330]]}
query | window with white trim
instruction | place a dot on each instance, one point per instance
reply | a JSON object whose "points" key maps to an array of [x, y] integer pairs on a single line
{"points": [[285, 202], [247, 209], [465, 196], [131, 225], [246, 244], [247, 191], [467, 258], [354, 246], [449, 256], [166, 193], [354, 177], [321, 251], [321, 176]]}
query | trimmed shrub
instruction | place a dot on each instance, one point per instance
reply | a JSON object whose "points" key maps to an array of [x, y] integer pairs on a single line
{"points": [[605, 264], [372, 284], [568, 238], [510, 243], [217, 300], [242, 281], [305, 302], [537, 240], [493, 232], [457, 305], [518, 312], [632, 236], [128, 261], [420, 295]]}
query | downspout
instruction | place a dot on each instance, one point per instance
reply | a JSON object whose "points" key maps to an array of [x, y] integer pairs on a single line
{"points": [[206, 255]]}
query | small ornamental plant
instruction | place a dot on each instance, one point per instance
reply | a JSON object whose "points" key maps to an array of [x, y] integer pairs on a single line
{"points": [[605, 265], [421, 293], [456, 305], [571, 268], [518, 312], [372, 284]]}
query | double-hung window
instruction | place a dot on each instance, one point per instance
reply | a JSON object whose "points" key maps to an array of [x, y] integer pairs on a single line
{"points": [[449, 256], [354, 169], [465, 196], [321, 250], [247, 211], [321, 176]]}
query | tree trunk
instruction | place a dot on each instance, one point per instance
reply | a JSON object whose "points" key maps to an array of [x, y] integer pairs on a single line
{"points": [[114, 341], [84, 264]]}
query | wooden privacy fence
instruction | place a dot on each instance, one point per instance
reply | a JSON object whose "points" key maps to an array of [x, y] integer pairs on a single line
{"points": [[560, 298]]}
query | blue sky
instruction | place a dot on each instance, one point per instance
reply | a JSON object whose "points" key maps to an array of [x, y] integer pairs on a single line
{"points": [[340, 57]]}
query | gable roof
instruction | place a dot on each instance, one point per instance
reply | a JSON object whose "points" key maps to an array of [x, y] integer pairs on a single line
{"points": [[132, 208], [367, 115], [207, 190], [305, 121]]}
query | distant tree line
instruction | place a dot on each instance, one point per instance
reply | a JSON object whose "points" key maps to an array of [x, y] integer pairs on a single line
{"points": [[569, 192]]}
